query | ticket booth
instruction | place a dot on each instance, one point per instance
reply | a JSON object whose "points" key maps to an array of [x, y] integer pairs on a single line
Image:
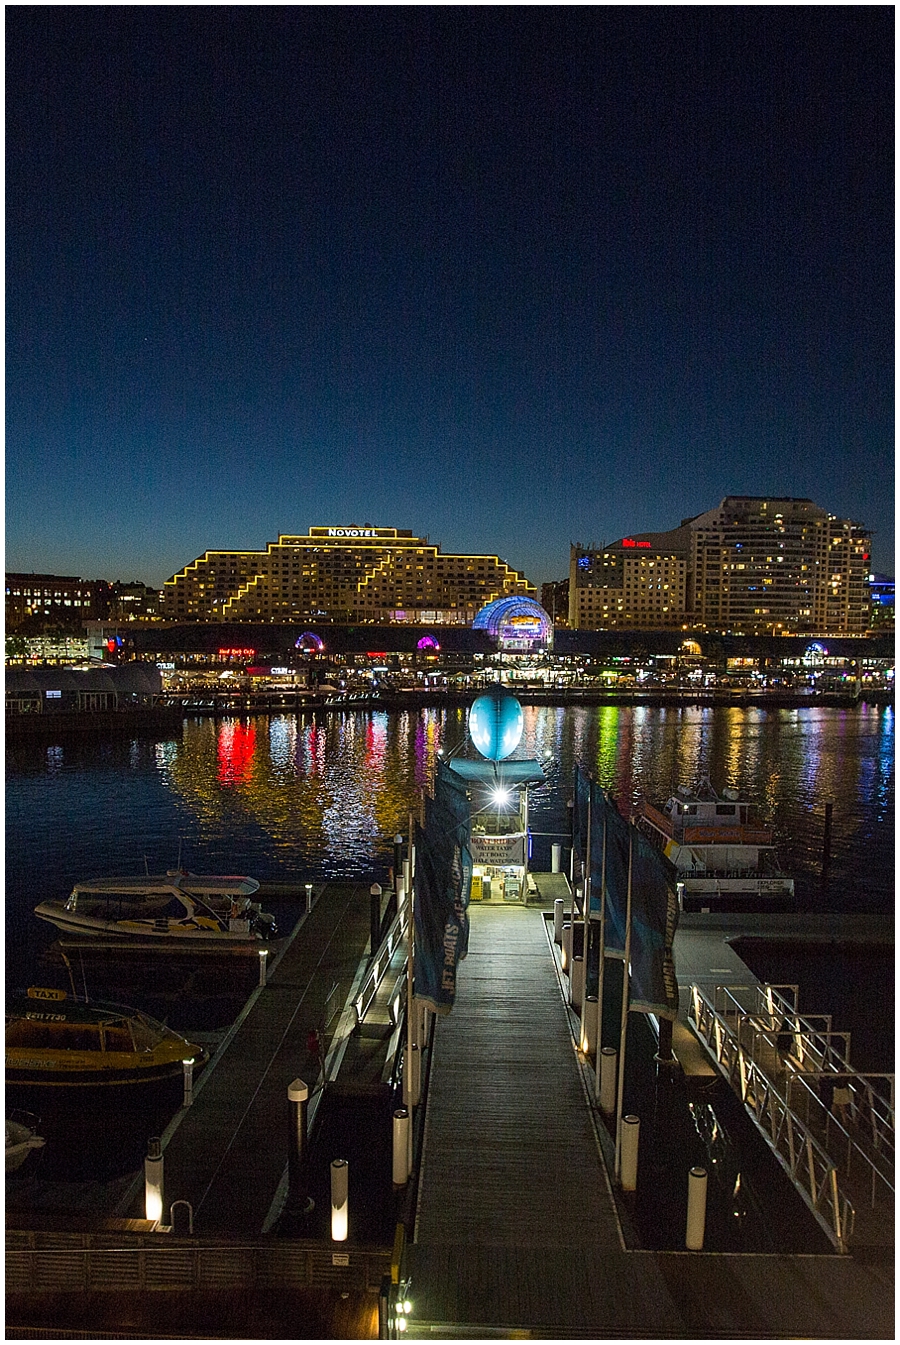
{"points": [[498, 796]]}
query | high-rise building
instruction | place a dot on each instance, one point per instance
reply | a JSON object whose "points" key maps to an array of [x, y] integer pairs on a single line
{"points": [[753, 565], [341, 574]]}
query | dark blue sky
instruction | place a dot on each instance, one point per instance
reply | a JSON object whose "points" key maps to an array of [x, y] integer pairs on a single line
{"points": [[508, 277]]}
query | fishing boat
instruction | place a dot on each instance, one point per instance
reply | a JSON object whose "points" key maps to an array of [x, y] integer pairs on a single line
{"points": [[721, 856], [190, 908], [22, 1139], [53, 1040]]}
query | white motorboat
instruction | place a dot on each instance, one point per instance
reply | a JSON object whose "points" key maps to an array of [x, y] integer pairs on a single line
{"points": [[188, 907], [22, 1139], [720, 854]]}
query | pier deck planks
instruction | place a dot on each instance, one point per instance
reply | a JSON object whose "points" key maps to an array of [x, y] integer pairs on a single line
{"points": [[230, 1150], [510, 1156]]}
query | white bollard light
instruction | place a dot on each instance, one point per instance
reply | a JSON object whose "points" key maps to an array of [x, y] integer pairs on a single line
{"points": [[608, 1057], [576, 983], [556, 859], [566, 955], [188, 1067], [340, 1173], [153, 1181], [400, 1154], [558, 906], [631, 1132], [589, 1025], [263, 955], [309, 892], [696, 1210]]}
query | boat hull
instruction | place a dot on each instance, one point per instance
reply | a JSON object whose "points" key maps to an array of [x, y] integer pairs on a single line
{"points": [[145, 929], [35, 1073]]}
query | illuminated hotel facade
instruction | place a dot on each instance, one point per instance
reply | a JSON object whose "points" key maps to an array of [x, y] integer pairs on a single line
{"points": [[359, 575], [751, 566]]}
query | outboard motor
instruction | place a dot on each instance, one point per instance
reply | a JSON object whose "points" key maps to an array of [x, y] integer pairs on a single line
{"points": [[264, 924]]}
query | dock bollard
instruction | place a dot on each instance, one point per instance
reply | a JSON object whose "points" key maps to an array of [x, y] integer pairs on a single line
{"points": [[340, 1174], [566, 954], [631, 1132], [153, 1180], [576, 983], [696, 1210], [558, 920], [400, 1171], [607, 1099], [556, 858], [188, 1067], [589, 1025], [375, 917], [298, 1103]]}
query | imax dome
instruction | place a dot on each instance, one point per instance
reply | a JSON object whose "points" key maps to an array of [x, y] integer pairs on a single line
{"points": [[516, 623]]}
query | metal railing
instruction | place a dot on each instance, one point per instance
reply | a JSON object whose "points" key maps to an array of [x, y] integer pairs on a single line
{"points": [[813, 1172], [380, 964], [808, 1057]]}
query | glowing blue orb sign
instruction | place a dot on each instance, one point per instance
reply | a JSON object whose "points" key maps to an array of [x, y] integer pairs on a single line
{"points": [[495, 724]]}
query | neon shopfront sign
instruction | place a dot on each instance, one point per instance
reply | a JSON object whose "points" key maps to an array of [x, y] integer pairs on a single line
{"points": [[236, 653]]}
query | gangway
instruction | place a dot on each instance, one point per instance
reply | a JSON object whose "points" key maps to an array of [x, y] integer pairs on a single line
{"points": [[776, 1060]]}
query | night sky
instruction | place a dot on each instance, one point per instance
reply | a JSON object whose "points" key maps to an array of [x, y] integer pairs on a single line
{"points": [[509, 277]]}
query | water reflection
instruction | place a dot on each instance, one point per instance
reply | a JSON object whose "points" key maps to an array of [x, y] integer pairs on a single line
{"points": [[324, 795]]}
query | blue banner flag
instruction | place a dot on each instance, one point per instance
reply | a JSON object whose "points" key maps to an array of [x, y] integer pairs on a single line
{"points": [[609, 868], [616, 845], [442, 883], [654, 917]]}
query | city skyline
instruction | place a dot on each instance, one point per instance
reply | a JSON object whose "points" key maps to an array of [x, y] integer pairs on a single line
{"points": [[509, 278]]}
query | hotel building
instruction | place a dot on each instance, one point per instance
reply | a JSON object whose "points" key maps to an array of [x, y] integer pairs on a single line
{"points": [[341, 575], [751, 566]]}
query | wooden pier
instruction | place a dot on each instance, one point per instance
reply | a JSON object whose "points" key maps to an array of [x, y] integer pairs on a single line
{"points": [[517, 1227]]}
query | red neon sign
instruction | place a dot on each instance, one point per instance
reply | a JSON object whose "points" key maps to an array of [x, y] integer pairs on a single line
{"points": [[237, 653], [629, 541]]}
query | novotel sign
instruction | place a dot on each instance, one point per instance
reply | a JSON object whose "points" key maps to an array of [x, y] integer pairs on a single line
{"points": [[353, 532]]}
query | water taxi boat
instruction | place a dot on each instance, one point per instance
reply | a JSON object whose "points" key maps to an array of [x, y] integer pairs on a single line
{"points": [[53, 1040], [722, 858], [187, 907]]}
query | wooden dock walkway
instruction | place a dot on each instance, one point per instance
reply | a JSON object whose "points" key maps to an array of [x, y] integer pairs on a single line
{"points": [[510, 1156], [228, 1152], [516, 1231]]}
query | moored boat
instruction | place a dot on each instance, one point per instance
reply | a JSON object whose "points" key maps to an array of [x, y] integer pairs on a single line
{"points": [[22, 1139], [53, 1040], [722, 857], [192, 908]]}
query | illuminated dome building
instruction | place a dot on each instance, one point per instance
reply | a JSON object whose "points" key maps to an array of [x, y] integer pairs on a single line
{"points": [[516, 623]]}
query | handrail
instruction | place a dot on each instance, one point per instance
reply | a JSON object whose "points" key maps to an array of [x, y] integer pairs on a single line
{"points": [[811, 1169], [379, 965]]}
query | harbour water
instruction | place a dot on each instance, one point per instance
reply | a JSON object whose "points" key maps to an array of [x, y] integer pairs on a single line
{"points": [[292, 799]]}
